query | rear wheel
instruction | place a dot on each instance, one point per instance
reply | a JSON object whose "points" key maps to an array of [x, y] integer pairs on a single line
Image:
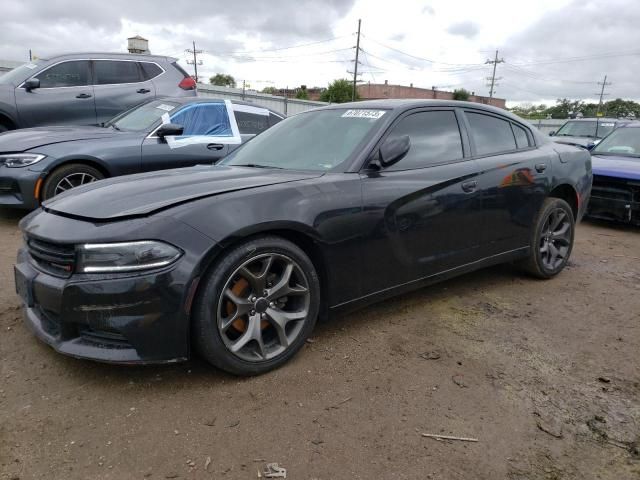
{"points": [[4, 128], [67, 177], [551, 240], [257, 307]]}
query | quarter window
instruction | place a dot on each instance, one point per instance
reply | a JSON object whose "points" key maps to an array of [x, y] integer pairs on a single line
{"points": [[435, 138], [150, 70], [522, 139], [110, 72], [490, 134], [66, 74]]}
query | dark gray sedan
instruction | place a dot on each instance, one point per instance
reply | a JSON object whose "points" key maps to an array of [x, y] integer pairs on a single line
{"points": [[39, 163]]}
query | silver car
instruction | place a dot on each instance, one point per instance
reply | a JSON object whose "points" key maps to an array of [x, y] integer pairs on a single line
{"points": [[86, 89]]}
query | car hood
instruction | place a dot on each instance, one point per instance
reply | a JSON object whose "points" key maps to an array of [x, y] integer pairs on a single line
{"points": [[616, 166], [578, 141], [29, 138], [143, 194]]}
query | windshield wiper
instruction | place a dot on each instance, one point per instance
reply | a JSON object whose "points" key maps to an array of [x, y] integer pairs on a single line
{"points": [[115, 127], [255, 165]]}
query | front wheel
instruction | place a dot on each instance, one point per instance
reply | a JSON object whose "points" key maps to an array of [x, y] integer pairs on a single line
{"points": [[67, 177], [551, 239], [257, 306]]}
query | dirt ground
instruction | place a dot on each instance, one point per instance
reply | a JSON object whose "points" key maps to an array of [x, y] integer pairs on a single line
{"points": [[545, 374]]}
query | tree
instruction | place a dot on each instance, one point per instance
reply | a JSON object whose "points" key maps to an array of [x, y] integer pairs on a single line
{"points": [[339, 91], [461, 94], [222, 80], [302, 93], [270, 90]]}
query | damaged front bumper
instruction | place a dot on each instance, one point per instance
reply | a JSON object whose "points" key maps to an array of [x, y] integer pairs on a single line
{"points": [[110, 318], [615, 199]]}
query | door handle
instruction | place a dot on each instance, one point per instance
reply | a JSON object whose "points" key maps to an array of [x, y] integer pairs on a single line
{"points": [[84, 95], [143, 90], [470, 186], [541, 167], [215, 146]]}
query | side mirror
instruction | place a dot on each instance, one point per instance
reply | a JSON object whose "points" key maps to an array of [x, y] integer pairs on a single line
{"points": [[552, 133], [31, 84], [170, 130], [393, 149]]}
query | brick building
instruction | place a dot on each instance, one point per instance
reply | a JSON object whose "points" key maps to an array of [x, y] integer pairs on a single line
{"points": [[372, 91]]}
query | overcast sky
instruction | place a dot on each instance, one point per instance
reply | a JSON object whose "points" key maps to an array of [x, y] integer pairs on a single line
{"points": [[551, 48]]}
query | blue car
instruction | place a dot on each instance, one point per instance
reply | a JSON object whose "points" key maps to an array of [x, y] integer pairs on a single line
{"points": [[616, 176]]}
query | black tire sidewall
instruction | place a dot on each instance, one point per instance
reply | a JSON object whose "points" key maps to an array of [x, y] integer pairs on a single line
{"points": [[207, 337], [549, 205], [48, 189]]}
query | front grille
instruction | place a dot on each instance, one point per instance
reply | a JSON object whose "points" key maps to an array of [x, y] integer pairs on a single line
{"points": [[53, 258], [617, 189]]}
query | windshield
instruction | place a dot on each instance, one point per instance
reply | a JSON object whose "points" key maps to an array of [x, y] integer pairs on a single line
{"points": [[586, 129], [317, 140], [624, 142], [142, 117], [18, 74]]}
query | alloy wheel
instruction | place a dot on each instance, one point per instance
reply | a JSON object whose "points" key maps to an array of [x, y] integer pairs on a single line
{"points": [[73, 180], [555, 239], [263, 307]]}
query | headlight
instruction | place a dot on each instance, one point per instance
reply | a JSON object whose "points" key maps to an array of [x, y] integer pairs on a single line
{"points": [[125, 256], [15, 160]]}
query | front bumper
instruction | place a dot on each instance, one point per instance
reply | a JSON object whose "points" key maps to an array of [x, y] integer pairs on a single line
{"points": [[17, 187], [615, 199], [115, 319]]}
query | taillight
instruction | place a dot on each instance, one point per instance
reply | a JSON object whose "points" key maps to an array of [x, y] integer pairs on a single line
{"points": [[187, 83]]}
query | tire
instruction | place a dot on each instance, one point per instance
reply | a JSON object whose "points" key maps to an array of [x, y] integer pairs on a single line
{"points": [[551, 245], [234, 329], [4, 128], [75, 173]]}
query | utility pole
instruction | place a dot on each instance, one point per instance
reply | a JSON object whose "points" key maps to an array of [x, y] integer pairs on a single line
{"points": [[355, 68], [493, 78], [30, 56], [195, 62], [604, 83]]}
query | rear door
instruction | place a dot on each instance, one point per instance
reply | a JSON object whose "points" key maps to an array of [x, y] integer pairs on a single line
{"points": [[207, 137], [252, 121], [118, 86], [423, 213], [514, 178], [65, 96]]}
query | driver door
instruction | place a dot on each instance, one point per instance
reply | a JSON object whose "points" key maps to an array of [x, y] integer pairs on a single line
{"points": [[422, 214], [207, 128]]}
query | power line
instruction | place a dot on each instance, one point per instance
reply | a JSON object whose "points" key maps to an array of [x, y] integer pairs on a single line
{"points": [[495, 63], [195, 62], [604, 83]]}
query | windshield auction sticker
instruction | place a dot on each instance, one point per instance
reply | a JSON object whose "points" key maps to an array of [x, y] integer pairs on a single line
{"points": [[373, 114]]}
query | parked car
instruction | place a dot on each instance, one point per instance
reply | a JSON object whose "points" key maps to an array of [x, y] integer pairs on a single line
{"points": [[583, 132], [39, 163], [86, 88], [330, 209], [616, 176]]}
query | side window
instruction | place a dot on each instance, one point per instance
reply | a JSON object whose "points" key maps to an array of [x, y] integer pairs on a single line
{"points": [[435, 138], [109, 72], [490, 134], [150, 70], [66, 74], [204, 119], [251, 123], [522, 139]]}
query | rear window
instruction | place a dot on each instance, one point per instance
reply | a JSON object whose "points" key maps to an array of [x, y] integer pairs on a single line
{"points": [[180, 69], [522, 139], [150, 70], [251, 123], [109, 72], [490, 135]]}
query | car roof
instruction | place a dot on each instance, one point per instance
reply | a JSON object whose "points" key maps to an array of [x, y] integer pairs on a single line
{"points": [[109, 56], [186, 100]]}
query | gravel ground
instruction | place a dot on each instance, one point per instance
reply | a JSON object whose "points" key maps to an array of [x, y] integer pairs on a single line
{"points": [[545, 374]]}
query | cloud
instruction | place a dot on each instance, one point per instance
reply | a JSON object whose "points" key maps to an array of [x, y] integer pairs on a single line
{"points": [[465, 29], [558, 56]]}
